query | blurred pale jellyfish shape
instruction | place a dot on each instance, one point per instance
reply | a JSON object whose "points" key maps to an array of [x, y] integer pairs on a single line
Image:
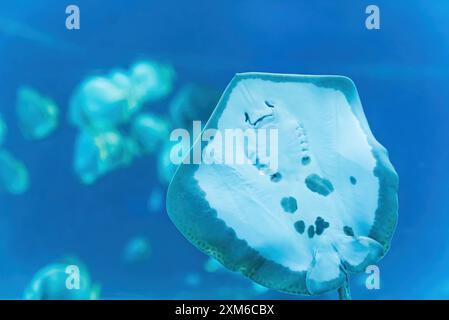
{"points": [[3, 130], [151, 80], [38, 115], [14, 177], [99, 153], [121, 79], [155, 200], [102, 102], [212, 265], [192, 279], [150, 131], [165, 167], [137, 250], [194, 102], [65, 280], [328, 210], [105, 102]]}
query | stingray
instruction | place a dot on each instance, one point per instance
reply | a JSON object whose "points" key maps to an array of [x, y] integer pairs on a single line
{"points": [[329, 207]]}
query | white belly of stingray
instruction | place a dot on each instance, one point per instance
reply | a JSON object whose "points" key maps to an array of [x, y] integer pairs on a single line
{"points": [[314, 211]]}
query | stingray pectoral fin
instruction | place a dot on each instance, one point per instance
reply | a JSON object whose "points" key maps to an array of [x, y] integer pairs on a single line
{"points": [[357, 253], [325, 272]]}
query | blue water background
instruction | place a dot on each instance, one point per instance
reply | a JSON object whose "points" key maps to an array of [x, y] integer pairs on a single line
{"points": [[401, 72]]}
